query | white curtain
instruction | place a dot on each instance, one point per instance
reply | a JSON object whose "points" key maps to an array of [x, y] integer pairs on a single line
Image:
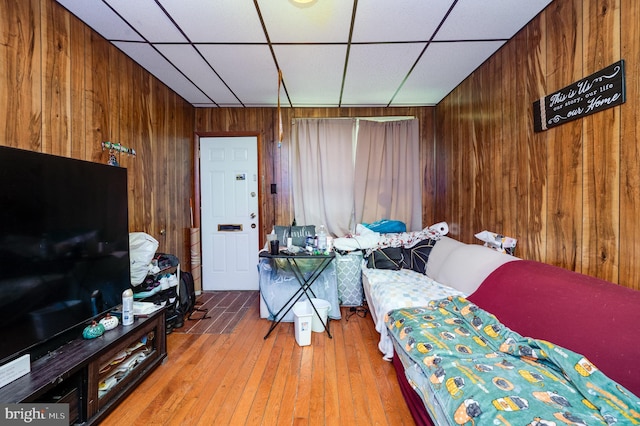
{"points": [[387, 173], [322, 173]]}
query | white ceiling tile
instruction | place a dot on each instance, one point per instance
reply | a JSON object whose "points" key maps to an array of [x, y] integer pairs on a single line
{"points": [[310, 44], [198, 71], [326, 21], [247, 69], [407, 20], [220, 21], [375, 72], [495, 19], [443, 67], [312, 74], [149, 19], [149, 59], [102, 19]]}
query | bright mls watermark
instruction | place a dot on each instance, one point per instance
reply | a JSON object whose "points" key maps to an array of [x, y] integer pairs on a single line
{"points": [[34, 414]]}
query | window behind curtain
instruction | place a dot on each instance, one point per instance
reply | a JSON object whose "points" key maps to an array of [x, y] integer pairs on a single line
{"points": [[387, 173], [322, 173], [338, 185]]}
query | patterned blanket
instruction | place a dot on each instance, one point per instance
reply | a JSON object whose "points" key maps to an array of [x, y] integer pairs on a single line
{"points": [[481, 372]]}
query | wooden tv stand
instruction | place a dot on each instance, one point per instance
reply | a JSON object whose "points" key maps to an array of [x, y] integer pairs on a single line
{"points": [[75, 373]]}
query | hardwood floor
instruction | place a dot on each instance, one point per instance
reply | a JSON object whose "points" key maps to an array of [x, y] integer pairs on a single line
{"points": [[239, 378]]}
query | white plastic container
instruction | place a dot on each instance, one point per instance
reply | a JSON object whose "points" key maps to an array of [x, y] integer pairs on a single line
{"points": [[323, 307], [127, 307], [302, 319]]}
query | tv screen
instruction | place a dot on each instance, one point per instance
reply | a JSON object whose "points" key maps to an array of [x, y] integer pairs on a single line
{"points": [[64, 248]]}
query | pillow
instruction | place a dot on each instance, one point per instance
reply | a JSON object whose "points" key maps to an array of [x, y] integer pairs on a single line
{"points": [[282, 232], [439, 254], [467, 266], [388, 258], [386, 226], [418, 255], [299, 233]]}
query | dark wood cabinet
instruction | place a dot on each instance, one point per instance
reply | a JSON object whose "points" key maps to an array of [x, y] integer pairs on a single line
{"points": [[93, 376]]}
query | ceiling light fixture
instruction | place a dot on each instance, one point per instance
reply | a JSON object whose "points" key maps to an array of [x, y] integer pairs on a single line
{"points": [[303, 3]]}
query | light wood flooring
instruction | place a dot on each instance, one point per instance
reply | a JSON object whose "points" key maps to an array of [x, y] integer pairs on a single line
{"points": [[221, 371]]}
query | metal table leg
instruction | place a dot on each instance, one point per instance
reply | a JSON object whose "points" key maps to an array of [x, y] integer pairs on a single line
{"points": [[305, 284]]}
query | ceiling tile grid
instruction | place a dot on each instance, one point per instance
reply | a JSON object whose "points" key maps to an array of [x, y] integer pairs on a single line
{"points": [[332, 53]]}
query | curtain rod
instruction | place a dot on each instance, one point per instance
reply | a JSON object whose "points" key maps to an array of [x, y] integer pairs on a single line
{"points": [[382, 118]]}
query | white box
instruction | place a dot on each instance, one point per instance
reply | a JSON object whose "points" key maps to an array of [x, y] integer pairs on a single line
{"points": [[302, 318], [17, 368]]}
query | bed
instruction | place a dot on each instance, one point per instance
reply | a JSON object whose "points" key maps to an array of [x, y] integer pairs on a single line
{"points": [[469, 368], [405, 284], [592, 379], [388, 289]]}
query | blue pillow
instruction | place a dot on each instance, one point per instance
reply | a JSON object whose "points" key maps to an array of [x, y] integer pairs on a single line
{"points": [[386, 226]]}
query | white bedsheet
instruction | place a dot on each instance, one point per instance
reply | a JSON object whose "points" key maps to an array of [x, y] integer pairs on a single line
{"points": [[386, 290]]}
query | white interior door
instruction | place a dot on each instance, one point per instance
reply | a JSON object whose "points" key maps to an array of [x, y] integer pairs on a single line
{"points": [[229, 212]]}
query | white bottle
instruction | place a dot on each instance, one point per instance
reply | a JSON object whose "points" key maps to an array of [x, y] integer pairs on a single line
{"points": [[322, 239], [127, 307]]}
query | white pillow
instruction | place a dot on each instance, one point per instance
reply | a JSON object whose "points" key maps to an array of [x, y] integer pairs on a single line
{"points": [[469, 265], [439, 254]]}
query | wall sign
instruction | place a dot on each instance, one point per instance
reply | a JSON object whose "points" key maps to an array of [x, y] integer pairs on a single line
{"points": [[601, 90]]}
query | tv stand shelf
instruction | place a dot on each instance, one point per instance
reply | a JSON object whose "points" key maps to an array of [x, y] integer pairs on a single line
{"points": [[74, 372]]}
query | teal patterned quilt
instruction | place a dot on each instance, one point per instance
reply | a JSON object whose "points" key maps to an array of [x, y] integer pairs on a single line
{"points": [[482, 373]]}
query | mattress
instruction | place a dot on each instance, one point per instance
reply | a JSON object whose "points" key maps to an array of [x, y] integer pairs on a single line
{"points": [[387, 289]]}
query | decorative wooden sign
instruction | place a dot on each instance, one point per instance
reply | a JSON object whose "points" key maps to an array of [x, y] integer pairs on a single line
{"points": [[601, 90]]}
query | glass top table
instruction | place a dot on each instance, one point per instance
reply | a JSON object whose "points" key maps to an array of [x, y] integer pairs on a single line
{"points": [[305, 281]]}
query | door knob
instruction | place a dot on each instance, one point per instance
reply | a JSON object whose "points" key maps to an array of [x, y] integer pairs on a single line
{"points": [[253, 215], [253, 194]]}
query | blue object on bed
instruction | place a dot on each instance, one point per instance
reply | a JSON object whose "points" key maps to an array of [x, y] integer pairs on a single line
{"points": [[387, 226]]}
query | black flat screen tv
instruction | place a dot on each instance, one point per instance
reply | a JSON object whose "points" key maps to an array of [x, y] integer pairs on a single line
{"points": [[64, 248]]}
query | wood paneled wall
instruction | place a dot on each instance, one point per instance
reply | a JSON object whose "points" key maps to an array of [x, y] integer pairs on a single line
{"points": [[65, 90], [277, 208], [570, 195]]}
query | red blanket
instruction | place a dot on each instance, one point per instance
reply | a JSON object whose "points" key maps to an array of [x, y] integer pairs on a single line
{"points": [[593, 317]]}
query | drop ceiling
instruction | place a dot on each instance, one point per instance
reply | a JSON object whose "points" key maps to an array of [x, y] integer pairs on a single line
{"points": [[332, 53]]}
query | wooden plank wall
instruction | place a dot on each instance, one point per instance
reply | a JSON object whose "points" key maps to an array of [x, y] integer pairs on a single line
{"points": [[65, 90], [277, 208], [570, 195]]}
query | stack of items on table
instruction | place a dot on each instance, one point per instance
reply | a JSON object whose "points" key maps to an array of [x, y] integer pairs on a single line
{"points": [[160, 287], [162, 276], [155, 277]]}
